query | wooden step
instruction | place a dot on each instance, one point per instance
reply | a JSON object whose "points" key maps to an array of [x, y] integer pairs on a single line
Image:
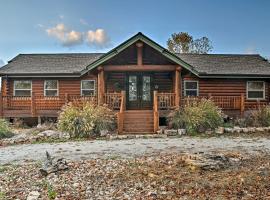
{"points": [[138, 121]]}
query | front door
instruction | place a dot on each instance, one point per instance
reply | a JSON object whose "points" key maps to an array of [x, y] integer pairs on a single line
{"points": [[139, 91]]}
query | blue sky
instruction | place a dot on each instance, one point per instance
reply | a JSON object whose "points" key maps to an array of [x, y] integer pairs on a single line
{"points": [[58, 26]]}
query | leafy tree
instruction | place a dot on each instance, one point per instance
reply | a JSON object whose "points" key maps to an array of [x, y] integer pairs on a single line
{"points": [[180, 42], [183, 43]]}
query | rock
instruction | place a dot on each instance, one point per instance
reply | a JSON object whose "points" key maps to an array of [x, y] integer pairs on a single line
{"points": [[219, 130], [237, 129], [50, 166], [76, 185], [34, 195], [209, 132], [228, 130], [245, 130], [182, 131], [49, 134], [210, 162], [170, 132], [252, 129], [104, 133], [259, 129]]}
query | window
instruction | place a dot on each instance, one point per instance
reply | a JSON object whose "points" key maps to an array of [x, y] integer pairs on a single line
{"points": [[88, 87], [22, 88], [255, 90], [191, 88], [50, 88]]}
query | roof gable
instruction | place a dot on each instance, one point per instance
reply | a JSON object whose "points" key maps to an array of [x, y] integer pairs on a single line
{"points": [[139, 37]]}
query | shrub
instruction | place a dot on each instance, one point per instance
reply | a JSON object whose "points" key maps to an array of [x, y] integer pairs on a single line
{"points": [[85, 120], [198, 116], [5, 131], [260, 117]]}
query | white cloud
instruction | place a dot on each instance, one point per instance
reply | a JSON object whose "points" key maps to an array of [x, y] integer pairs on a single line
{"points": [[64, 35], [68, 37], [98, 37], [83, 22]]}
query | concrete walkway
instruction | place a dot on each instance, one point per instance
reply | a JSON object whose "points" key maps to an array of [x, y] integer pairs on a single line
{"points": [[129, 148]]}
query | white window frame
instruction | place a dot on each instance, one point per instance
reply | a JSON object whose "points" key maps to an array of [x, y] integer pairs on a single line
{"points": [[44, 88], [248, 90], [14, 89], [89, 89], [188, 81]]}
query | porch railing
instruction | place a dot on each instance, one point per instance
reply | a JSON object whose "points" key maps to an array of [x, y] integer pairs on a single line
{"points": [[224, 102], [166, 101], [113, 100]]}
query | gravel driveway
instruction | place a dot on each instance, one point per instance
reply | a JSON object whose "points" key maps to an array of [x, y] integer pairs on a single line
{"points": [[130, 148]]}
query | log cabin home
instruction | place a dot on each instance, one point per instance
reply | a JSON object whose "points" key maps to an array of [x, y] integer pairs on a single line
{"points": [[139, 79]]}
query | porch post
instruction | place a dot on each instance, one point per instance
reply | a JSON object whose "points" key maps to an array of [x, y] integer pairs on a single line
{"points": [[101, 85], [139, 53], [177, 86]]}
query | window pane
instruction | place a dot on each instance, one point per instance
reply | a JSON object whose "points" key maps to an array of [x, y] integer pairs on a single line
{"points": [[88, 84], [22, 85], [255, 85], [146, 88], [132, 88], [22, 92], [51, 93], [255, 94], [191, 85], [88, 92], [51, 84], [191, 93]]}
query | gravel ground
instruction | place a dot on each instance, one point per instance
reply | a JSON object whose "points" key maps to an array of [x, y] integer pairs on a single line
{"points": [[19, 154]]}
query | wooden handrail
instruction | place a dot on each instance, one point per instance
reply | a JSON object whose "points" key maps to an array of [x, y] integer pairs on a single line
{"points": [[120, 114], [155, 112]]}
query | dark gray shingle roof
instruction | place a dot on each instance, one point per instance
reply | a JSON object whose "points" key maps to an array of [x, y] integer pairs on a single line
{"points": [[49, 63], [74, 63], [227, 64]]}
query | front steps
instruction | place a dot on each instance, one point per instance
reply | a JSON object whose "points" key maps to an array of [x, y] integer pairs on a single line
{"points": [[138, 122]]}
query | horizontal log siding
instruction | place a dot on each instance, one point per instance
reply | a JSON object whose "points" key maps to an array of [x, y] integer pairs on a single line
{"points": [[164, 81], [225, 87], [111, 78], [65, 86]]}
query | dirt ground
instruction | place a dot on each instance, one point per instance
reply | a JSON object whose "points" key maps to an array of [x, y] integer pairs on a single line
{"points": [[83, 150]]}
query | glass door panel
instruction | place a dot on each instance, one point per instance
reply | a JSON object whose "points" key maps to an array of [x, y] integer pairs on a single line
{"points": [[146, 88], [132, 88]]}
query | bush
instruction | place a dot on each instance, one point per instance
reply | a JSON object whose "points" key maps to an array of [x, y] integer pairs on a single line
{"points": [[198, 116], [5, 131], [260, 117], [86, 120]]}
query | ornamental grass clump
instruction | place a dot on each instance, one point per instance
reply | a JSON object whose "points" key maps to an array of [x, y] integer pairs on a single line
{"points": [[86, 120], [5, 130], [198, 116], [260, 117]]}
